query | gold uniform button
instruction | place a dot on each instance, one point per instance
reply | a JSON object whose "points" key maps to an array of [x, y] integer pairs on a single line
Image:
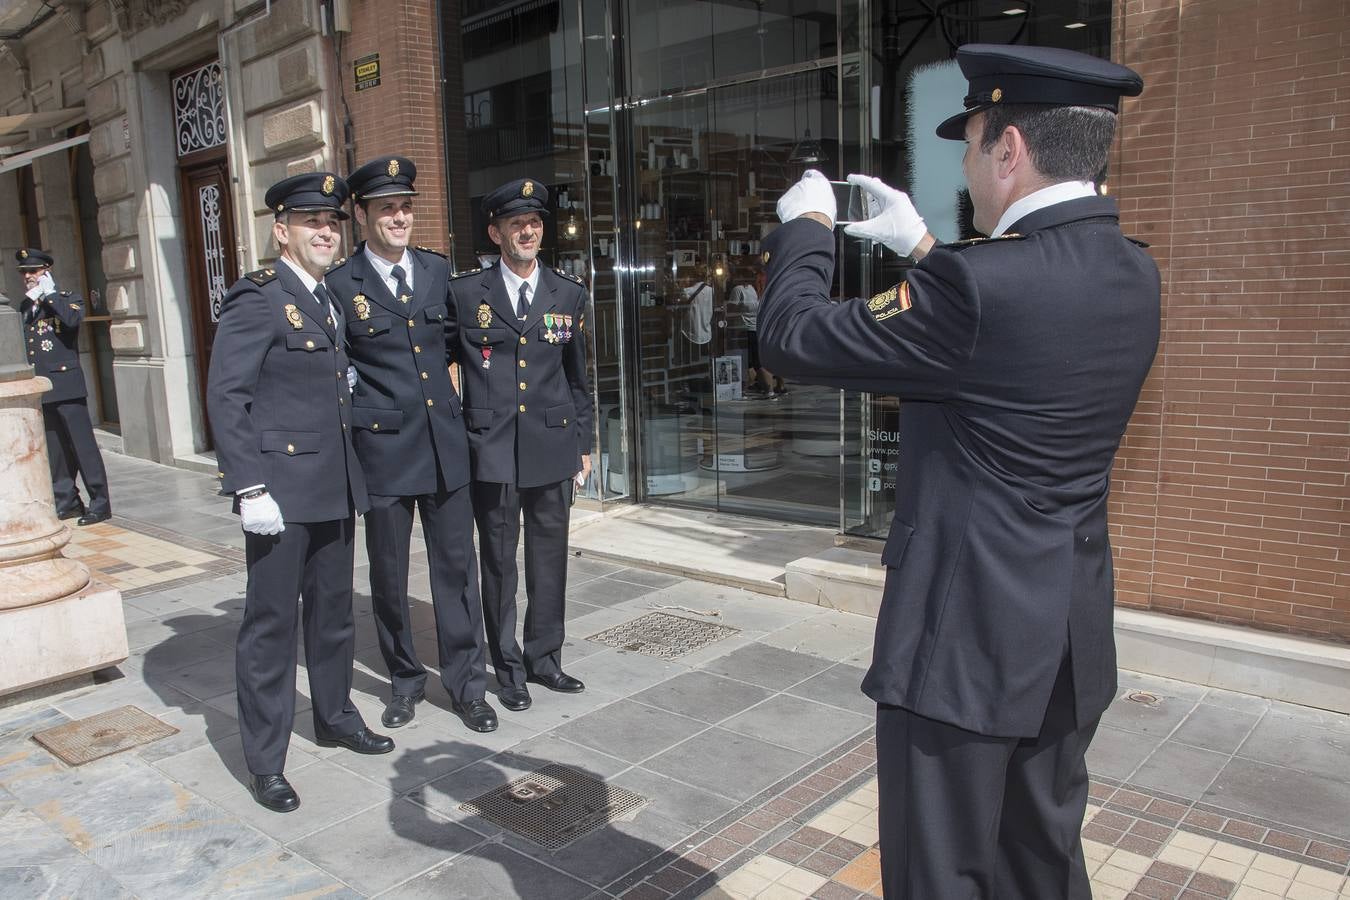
{"points": [[290, 448], [430, 402], [484, 339], [417, 348], [522, 407], [372, 330], [425, 376], [523, 340], [522, 385], [564, 421], [411, 323], [63, 368], [309, 345], [375, 427], [522, 363], [220, 474]]}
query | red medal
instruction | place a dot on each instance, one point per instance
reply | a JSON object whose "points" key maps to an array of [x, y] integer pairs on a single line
{"points": [[487, 357]]}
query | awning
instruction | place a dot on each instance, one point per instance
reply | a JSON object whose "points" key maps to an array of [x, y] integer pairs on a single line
{"points": [[19, 160], [54, 118]]}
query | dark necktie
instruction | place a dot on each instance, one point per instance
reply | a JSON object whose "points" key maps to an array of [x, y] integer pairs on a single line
{"points": [[321, 294], [523, 301], [400, 284]]}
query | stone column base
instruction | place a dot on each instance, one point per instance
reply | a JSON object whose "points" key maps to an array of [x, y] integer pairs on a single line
{"points": [[61, 638]]}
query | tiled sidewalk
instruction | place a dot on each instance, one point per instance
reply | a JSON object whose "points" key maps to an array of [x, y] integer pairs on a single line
{"points": [[754, 755]]}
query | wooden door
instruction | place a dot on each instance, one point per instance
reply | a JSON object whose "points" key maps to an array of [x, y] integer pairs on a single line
{"points": [[209, 222]]}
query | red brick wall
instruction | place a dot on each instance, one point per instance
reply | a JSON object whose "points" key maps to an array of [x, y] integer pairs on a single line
{"points": [[403, 114], [1231, 489]]}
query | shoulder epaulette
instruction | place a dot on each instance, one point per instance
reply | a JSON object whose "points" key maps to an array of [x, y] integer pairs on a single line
{"points": [[262, 276], [466, 272], [974, 242], [570, 277], [337, 263], [65, 293], [1137, 242], [430, 250]]}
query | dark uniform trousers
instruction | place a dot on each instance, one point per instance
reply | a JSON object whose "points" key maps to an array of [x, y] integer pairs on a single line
{"points": [[454, 591], [497, 511], [71, 450], [1006, 813], [311, 562]]}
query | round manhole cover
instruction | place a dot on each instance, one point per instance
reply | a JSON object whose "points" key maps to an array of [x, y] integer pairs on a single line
{"points": [[1143, 697]]}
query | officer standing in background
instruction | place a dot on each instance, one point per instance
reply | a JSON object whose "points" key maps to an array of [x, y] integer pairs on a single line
{"points": [[527, 405], [409, 435], [280, 408], [1018, 360], [51, 324]]}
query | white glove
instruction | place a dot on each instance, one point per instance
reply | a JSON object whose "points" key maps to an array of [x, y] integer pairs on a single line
{"points": [[44, 287], [894, 220], [812, 194], [261, 515], [351, 378]]}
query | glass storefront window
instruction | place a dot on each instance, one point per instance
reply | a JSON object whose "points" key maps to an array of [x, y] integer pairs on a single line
{"points": [[666, 133]]}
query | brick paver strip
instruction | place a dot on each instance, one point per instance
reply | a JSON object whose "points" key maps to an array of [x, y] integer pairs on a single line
{"points": [[1212, 885]]}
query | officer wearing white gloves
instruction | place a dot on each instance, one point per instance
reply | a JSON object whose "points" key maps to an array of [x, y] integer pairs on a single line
{"points": [[281, 413], [1018, 359]]}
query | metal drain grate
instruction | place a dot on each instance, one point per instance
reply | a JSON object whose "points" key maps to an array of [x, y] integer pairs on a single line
{"points": [[555, 805], [84, 740], [663, 635]]}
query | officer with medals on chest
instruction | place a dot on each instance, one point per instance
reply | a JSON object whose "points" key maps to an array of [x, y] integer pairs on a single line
{"points": [[51, 325], [281, 414], [409, 434], [527, 405], [1018, 360]]}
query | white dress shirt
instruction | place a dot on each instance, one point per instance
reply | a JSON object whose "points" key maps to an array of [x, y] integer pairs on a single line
{"points": [[1048, 196], [384, 268], [514, 281]]}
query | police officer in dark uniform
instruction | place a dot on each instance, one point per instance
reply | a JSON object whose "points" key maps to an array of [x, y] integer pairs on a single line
{"points": [[522, 355], [281, 414], [1018, 360], [409, 435], [51, 324]]}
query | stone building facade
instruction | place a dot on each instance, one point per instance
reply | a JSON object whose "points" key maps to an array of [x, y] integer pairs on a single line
{"points": [[191, 110]]}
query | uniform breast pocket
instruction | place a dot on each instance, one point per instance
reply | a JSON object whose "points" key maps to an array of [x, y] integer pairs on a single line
{"points": [[368, 328], [485, 337], [291, 443], [434, 314], [307, 342]]}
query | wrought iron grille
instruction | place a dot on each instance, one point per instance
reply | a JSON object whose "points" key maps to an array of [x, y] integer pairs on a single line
{"points": [[199, 109], [212, 247]]}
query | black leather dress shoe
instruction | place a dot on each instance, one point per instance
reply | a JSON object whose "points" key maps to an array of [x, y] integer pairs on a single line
{"points": [[274, 792], [75, 512], [514, 698], [561, 682], [477, 714], [363, 741], [93, 518], [401, 709]]}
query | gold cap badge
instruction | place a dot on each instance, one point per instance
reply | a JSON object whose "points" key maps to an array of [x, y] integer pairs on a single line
{"points": [[281, 207], [997, 95], [328, 184], [527, 189], [23, 254], [393, 167]]}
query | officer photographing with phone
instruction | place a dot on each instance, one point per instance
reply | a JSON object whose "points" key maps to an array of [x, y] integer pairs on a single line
{"points": [[1018, 360]]}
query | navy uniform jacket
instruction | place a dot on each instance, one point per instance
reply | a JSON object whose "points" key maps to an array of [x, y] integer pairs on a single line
{"points": [[529, 412], [53, 341], [405, 412], [1018, 361], [278, 400]]}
